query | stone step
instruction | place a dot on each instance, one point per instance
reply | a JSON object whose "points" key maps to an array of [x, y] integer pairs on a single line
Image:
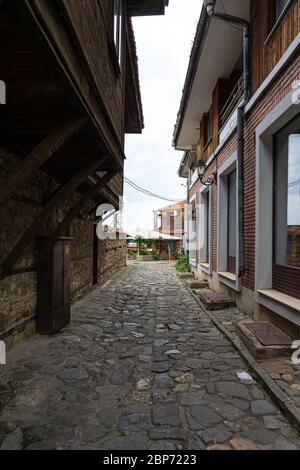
{"points": [[194, 284], [186, 276], [263, 339], [216, 300]]}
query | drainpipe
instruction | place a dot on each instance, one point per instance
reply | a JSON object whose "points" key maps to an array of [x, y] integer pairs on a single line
{"points": [[240, 121]]}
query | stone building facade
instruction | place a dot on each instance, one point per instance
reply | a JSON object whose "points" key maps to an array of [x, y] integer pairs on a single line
{"points": [[72, 93], [18, 292]]}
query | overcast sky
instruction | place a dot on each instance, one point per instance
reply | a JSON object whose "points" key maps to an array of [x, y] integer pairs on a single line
{"points": [[163, 44]]}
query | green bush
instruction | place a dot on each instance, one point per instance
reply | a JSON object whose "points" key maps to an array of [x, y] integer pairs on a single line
{"points": [[183, 264]]}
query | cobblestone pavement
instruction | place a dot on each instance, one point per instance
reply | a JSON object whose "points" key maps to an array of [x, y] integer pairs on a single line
{"points": [[280, 369], [140, 367]]}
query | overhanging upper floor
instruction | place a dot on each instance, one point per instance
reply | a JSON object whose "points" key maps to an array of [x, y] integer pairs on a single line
{"points": [[217, 48]]}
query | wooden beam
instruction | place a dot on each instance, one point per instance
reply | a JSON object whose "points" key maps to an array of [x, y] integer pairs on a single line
{"points": [[45, 150], [74, 213], [58, 197]]}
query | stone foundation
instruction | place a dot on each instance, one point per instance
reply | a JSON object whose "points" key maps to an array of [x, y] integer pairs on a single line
{"points": [[246, 302]]}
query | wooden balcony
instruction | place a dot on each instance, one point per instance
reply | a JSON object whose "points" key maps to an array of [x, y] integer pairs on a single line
{"points": [[232, 102]]}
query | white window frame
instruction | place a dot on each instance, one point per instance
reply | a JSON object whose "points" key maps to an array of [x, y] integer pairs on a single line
{"points": [[225, 277], [204, 263], [118, 22], [193, 261], [282, 304]]}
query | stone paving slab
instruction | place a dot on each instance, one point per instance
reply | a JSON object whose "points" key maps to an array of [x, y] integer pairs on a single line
{"points": [[280, 375], [141, 366]]}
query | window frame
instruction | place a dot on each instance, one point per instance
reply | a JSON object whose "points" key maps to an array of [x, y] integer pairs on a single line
{"points": [[274, 21], [279, 12], [205, 225], [192, 225], [284, 305], [116, 34], [231, 212], [229, 279], [285, 275]]}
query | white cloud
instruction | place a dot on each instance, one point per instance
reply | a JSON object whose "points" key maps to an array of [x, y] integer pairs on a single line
{"points": [[164, 45]]}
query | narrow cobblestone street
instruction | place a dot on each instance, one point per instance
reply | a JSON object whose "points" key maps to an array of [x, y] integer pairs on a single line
{"points": [[140, 367]]}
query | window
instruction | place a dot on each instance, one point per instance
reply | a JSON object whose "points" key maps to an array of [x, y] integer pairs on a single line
{"points": [[277, 9], [115, 38], [228, 224], [205, 228], [286, 270], [118, 26], [274, 212], [231, 227], [280, 6], [193, 233], [208, 127], [207, 223]]}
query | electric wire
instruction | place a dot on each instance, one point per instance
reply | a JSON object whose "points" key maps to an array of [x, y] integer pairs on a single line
{"points": [[147, 192]]}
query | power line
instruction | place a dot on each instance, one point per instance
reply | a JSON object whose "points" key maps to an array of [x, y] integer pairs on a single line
{"points": [[149, 193], [145, 191]]}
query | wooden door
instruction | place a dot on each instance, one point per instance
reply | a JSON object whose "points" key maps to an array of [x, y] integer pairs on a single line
{"points": [[54, 288]]}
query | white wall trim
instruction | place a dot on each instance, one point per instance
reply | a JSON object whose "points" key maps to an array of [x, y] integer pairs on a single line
{"points": [[284, 112], [228, 166], [193, 262], [205, 264]]}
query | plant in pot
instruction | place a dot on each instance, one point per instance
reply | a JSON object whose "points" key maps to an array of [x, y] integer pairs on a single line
{"points": [[174, 256]]}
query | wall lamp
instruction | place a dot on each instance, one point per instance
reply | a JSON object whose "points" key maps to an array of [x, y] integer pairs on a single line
{"points": [[200, 166]]}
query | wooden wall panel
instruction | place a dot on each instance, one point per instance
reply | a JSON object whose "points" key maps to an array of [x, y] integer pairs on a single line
{"points": [[267, 50], [91, 22], [207, 148]]}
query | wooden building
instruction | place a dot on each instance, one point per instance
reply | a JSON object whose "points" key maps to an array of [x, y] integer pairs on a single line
{"points": [[239, 128], [72, 92]]}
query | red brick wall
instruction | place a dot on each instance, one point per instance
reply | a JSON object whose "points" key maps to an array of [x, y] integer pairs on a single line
{"points": [[280, 88], [226, 151], [275, 94]]}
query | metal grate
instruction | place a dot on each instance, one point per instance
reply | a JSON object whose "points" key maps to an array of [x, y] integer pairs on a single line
{"points": [[268, 334]]}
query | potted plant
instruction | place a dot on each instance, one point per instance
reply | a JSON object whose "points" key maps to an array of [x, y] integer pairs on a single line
{"points": [[174, 256]]}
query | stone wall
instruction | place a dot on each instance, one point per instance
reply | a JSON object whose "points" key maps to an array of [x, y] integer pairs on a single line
{"points": [[18, 292], [112, 258]]}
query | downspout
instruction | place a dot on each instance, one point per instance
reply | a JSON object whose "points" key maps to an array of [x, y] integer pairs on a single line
{"points": [[241, 146], [241, 128]]}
